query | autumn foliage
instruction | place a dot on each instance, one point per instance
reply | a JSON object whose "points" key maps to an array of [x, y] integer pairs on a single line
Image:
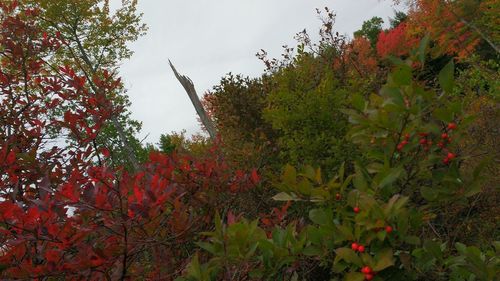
{"points": [[348, 161], [63, 214], [396, 42]]}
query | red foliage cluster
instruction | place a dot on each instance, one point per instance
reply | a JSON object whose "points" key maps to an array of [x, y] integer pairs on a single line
{"points": [[62, 214], [395, 42], [443, 20]]}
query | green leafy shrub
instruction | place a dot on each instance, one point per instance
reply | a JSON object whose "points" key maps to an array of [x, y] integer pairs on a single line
{"points": [[384, 221]]}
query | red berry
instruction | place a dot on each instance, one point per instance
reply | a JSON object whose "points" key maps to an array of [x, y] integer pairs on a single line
{"points": [[388, 229], [361, 248], [338, 196], [423, 141], [368, 276], [405, 142], [407, 136], [356, 210], [423, 134], [400, 147], [444, 136], [446, 161], [451, 156], [441, 144], [452, 126], [366, 270], [354, 246]]}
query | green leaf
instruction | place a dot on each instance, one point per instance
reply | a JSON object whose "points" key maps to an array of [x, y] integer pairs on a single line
{"points": [[434, 249], [402, 76], [358, 102], [290, 175], [429, 193], [207, 247], [461, 248], [318, 177], [354, 276], [446, 77], [413, 240], [284, 196], [345, 231], [349, 256], [194, 268], [359, 182], [319, 216], [384, 258], [304, 187], [309, 172], [393, 175], [443, 114], [218, 223], [393, 94], [312, 251], [422, 48]]}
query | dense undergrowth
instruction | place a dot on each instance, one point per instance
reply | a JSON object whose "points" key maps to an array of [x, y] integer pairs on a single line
{"points": [[372, 158]]}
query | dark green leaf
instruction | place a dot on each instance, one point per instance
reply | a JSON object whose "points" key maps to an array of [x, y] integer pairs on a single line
{"points": [[422, 48], [446, 77]]}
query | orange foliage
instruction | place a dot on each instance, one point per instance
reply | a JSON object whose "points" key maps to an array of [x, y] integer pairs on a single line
{"points": [[443, 21], [361, 51]]}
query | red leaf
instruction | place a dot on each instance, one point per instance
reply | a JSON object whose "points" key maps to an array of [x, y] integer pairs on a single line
{"points": [[254, 176], [68, 191], [138, 194], [52, 255], [11, 158], [105, 152]]}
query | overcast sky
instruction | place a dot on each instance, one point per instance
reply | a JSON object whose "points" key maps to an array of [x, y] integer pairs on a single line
{"points": [[205, 39]]}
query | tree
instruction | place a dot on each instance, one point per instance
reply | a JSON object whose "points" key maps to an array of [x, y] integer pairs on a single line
{"points": [[370, 30], [93, 38], [399, 17], [236, 106]]}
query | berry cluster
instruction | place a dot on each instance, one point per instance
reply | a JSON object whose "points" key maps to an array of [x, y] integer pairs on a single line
{"points": [[368, 272], [426, 142], [402, 144], [446, 139], [357, 247]]}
